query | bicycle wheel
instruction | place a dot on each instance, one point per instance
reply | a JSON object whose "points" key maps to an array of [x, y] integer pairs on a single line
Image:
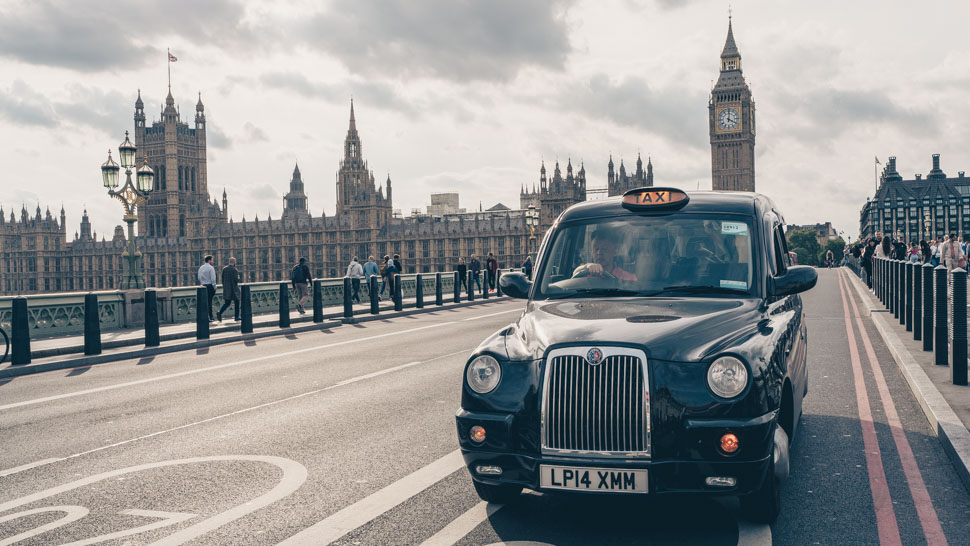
{"points": [[6, 345]]}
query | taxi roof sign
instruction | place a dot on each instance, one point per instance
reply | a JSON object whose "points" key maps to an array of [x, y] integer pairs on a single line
{"points": [[654, 199]]}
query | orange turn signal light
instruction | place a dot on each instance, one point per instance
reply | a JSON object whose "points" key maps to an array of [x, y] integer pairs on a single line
{"points": [[729, 443], [477, 434]]}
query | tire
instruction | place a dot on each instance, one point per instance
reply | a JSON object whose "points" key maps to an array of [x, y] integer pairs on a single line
{"points": [[763, 505], [499, 494]]}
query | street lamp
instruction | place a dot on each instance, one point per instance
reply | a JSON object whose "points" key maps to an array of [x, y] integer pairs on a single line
{"points": [[532, 220], [131, 195]]}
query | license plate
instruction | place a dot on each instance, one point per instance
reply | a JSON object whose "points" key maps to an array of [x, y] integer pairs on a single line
{"points": [[604, 480]]}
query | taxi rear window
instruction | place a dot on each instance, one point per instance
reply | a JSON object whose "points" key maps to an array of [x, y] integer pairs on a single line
{"points": [[678, 254]]}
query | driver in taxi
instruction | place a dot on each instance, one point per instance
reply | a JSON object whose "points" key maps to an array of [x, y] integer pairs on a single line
{"points": [[603, 244]]}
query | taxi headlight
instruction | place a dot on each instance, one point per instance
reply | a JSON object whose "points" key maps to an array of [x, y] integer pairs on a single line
{"points": [[727, 377], [483, 374]]}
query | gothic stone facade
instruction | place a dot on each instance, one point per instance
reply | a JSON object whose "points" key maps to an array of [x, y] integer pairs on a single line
{"points": [[181, 223], [732, 129]]}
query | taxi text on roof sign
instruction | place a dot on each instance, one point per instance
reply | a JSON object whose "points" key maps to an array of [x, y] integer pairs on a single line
{"points": [[654, 198]]}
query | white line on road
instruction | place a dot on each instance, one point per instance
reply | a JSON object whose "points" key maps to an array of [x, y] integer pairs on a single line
{"points": [[238, 363], [372, 506], [224, 415], [464, 524], [753, 534]]}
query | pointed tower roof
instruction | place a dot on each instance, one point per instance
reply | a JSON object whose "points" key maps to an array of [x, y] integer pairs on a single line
{"points": [[353, 122], [296, 171], [138, 101], [199, 107], [730, 48], [169, 100]]}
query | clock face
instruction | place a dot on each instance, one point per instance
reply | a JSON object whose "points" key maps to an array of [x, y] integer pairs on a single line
{"points": [[728, 118]]}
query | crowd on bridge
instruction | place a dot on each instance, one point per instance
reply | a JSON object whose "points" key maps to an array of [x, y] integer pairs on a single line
{"points": [[951, 251]]}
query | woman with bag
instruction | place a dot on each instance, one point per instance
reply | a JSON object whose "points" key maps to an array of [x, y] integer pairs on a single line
{"points": [[953, 255]]}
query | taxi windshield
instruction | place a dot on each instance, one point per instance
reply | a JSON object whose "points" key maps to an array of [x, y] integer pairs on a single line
{"points": [[670, 255]]}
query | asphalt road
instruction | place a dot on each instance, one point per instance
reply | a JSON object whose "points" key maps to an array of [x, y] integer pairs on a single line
{"points": [[348, 436]]}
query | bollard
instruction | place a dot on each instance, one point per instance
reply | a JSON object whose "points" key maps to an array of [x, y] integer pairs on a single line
{"points": [[958, 339], [419, 291], [890, 286], [19, 332], [882, 280], [375, 306], [470, 287], [201, 313], [498, 285], [456, 288], [940, 345], [917, 302], [317, 301], [246, 310], [439, 298], [284, 305], [908, 290], [348, 298], [901, 304], [927, 306], [485, 276], [92, 325], [151, 318], [398, 293]]}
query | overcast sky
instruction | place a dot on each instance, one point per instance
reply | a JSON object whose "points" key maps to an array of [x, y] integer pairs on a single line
{"points": [[470, 96]]}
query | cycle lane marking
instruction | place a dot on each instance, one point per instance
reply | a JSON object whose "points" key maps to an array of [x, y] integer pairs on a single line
{"points": [[929, 520], [374, 505], [882, 501], [241, 362], [345, 382]]}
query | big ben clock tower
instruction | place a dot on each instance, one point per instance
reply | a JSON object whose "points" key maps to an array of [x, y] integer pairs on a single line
{"points": [[731, 113]]}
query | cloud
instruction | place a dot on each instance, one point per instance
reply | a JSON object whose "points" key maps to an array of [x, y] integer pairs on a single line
{"points": [[675, 114], [374, 93], [23, 105], [462, 40], [215, 137], [102, 35], [264, 192], [253, 133]]}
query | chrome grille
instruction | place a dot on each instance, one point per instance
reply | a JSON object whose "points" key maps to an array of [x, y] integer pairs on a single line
{"points": [[599, 410]]}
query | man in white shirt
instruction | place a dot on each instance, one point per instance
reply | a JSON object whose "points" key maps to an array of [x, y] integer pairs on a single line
{"points": [[207, 278], [356, 272], [952, 253]]}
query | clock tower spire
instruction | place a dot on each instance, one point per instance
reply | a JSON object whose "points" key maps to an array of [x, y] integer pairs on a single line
{"points": [[731, 115]]}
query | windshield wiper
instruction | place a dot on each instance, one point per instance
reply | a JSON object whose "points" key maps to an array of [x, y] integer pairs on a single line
{"points": [[704, 289], [583, 292]]}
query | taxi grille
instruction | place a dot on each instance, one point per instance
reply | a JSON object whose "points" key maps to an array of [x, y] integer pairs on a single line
{"points": [[602, 408]]}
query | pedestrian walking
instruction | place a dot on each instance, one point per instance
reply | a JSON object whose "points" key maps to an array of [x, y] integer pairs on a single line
{"points": [[383, 271], [491, 266], [462, 269], [356, 272], [829, 258], [527, 267], [207, 278], [398, 264], [230, 290], [867, 255], [300, 277], [370, 268], [476, 268], [953, 255]]}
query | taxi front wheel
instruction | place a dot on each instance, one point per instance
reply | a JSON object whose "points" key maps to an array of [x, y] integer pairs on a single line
{"points": [[500, 494]]}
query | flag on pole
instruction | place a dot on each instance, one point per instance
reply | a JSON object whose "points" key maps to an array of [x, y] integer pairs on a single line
{"points": [[877, 157], [173, 58]]}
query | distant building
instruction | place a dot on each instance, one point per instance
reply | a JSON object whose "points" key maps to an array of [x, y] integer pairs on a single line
{"points": [[936, 204], [620, 183], [555, 195], [731, 117], [823, 232], [444, 203]]}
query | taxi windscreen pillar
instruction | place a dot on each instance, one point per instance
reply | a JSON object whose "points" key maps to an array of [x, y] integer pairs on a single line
{"points": [[917, 302], [939, 296], [19, 332], [201, 313], [927, 306], [958, 333], [246, 310], [375, 306], [284, 305]]}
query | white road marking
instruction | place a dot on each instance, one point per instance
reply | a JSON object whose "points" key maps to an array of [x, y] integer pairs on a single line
{"points": [[753, 534], [72, 513], [165, 519], [224, 415], [372, 506], [237, 363], [294, 474], [464, 524]]}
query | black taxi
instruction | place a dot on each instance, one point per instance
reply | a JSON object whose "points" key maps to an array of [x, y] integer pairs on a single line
{"points": [[662, 350]]}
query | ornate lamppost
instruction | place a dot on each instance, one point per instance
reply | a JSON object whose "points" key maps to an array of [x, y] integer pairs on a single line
{"points": [[131, 195], [532, 221]]}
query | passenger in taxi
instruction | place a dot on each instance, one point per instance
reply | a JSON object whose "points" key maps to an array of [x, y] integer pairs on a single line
{"points": [[603, 243]]}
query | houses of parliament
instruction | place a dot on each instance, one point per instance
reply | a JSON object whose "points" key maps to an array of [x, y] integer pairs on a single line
{"points": [[181, 222]]}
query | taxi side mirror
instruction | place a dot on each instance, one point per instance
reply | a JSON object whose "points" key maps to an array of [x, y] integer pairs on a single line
{"points": [[516, 284], [797, 278]]}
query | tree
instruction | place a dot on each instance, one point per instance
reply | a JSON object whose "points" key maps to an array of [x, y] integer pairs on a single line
{"points": [[837, 246], [805, 240]]}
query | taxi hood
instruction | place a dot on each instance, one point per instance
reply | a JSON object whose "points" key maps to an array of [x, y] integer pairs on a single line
{"points": [[669, 328]]}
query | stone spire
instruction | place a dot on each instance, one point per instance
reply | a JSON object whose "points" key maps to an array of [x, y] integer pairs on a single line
{"points": [[730, 48]]}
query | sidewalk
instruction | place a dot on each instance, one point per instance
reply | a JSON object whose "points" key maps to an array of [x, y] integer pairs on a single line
{"points": [[946, 406], [67, 351]]}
